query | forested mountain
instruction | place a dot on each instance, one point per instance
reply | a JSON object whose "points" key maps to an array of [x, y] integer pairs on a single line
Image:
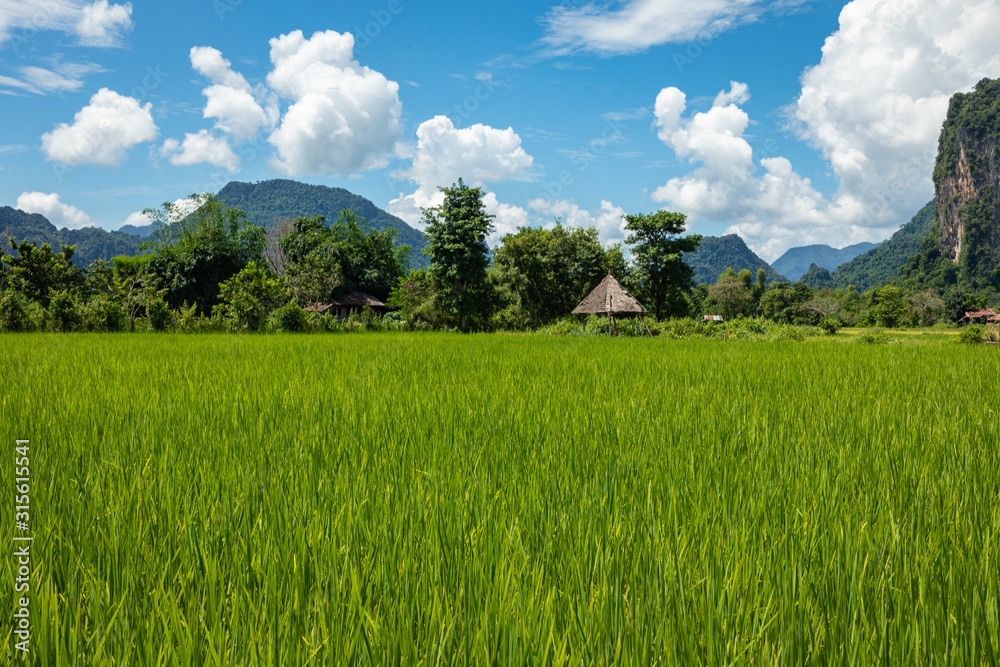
{"points": [[796, 261], [717, 253], [963, 248], [91, 242], [880, 265], [269, 202]]}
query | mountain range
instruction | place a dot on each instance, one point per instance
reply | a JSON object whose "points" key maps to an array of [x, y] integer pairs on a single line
{"points": [[796, 261], [717, 253]]}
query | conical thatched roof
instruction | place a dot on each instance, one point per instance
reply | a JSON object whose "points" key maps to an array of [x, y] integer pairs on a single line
{"points": [[609, 298]]}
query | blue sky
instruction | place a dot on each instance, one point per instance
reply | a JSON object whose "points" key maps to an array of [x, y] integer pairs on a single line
{"points": [[788, 122]]}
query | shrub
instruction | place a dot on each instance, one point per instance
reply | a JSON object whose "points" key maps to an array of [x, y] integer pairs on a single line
{"points": [[158, 313], [64, 314], [829, 325], [873, 337], [12, 314], [291, 317], [972, 335]]}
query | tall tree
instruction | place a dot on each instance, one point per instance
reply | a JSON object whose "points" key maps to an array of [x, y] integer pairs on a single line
{"points": [[456, 245], [661, 275], [198, 250], [546, 272]]}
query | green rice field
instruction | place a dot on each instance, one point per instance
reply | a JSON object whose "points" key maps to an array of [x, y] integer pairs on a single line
{"points": [[489, 499]]}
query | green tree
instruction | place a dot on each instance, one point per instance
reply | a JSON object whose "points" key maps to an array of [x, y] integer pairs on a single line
{"points": [[195, 252], [414, 298], [456, 246], [732, 293], [886, 307], [250, 296], [39, 273], [547, 272], [64, 312], [661, 275]]}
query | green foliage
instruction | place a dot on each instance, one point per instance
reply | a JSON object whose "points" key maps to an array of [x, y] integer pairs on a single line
{"points": [[732, 294], [290, 318], [268, 202], [456, 245], [414, 297], [884, 263], [195, 253], [817, 277], [972, 335], [13, 316], [103, 315], [661, 277], [38, 272], [158, 314], [249, 297], [873, 337], [715, 254], [540, 275], [89, 243], [829, 325], [887, 308], [64, 313]]}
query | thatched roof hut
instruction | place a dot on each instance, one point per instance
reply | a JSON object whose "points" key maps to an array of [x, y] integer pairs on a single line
{"points": [[610, 298]]}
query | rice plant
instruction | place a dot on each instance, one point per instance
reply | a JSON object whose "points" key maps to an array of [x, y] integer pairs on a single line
{"points": [[442, 499]]}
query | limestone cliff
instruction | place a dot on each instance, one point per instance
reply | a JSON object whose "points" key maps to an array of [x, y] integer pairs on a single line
{"points": [[967, 182]]}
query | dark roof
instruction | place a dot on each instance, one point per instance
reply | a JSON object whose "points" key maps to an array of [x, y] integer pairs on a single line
{"points": [[609, 298], [357, 299]]}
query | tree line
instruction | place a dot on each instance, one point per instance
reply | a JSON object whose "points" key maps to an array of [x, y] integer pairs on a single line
{"points": [[211, 269]]}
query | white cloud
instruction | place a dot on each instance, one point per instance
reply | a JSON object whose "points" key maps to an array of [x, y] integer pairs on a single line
{"points": [[636, 25], [608, 220], [137, 219], [101, 24], [93, 23], [873, 107], [239, 110], [201, 147], [479, 154], [344, 117], [62, 77], [102, 131], [52, 207]]}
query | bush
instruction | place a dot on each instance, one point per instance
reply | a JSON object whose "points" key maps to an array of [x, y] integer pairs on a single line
{"points": [[873, 337], [13, 316], [972, 335], [158, 314], [64, 314], [104, 315], [291, 318], [567, 326], [829, 325]]}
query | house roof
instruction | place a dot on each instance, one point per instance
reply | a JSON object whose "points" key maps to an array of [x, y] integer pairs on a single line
{"points": [[609, 298], [349, 300], [974, 314], [712, 318]]}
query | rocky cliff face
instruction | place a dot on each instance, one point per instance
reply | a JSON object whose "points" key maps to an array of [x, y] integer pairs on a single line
{"points": [[967, 181]]}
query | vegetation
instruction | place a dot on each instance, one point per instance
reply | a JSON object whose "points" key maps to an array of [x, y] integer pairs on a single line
{"points": [[268, 203], [715, 254], [660, 277], [796, 262], [402, 498], [89, 243], [882, 264]]}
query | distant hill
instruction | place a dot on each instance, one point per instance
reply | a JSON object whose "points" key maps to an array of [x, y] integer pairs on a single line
{"points": [[796, 261], [880, 265], [143, 231], [817, 277], [91, 242], [717, 253], [268, 202]]}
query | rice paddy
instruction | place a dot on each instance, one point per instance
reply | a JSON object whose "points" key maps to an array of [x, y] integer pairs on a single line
{"points": [[444, 499]]}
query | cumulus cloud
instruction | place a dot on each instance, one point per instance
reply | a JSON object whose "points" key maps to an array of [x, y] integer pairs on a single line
{"points": [[201, 147], [51, 206], [101, 24], [343, 117], [608, 220], [479, 154], [93, 23], [239, 109], [637, 25], [102, 131], [872, 107]]}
